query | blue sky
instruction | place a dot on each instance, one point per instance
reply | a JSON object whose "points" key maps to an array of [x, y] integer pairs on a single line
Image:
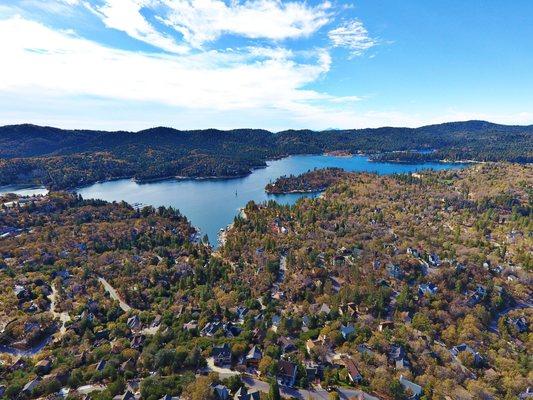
{"points": [[133, 64]]}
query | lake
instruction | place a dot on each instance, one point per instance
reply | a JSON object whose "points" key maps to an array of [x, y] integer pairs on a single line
{"points": [[211, 204]]}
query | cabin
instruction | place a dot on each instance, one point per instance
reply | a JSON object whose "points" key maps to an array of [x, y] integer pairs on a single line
{"points": [[191, 325], [324, 309], [137, 341]]}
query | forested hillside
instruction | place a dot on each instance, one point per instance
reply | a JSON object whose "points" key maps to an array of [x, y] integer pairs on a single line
{"points": [[68, 158]]}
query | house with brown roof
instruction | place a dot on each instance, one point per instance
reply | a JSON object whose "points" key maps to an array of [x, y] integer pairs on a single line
{"points": [[353, 372]]}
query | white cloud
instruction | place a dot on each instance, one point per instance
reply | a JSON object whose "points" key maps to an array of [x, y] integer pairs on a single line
{"points": [[125, 15], [201, 21], [354, 36], [39, 59]]}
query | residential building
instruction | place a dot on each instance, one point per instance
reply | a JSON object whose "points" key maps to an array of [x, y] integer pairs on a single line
{"points": [[287, 373]]}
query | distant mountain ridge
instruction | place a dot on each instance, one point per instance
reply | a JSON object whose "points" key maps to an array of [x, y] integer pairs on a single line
{"points": [[61, 158], [27, 140]]}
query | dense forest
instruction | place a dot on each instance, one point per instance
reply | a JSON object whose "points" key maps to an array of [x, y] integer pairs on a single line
{"points": [[70, 158]]}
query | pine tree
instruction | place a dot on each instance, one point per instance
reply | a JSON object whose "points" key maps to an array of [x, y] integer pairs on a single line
{"points": [[274, 394]]}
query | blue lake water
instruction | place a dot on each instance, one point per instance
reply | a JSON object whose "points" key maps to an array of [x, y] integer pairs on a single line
{"points": [[211, 204]]}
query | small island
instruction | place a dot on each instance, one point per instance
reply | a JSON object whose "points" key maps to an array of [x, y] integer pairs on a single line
{"points": [[311, 181]]}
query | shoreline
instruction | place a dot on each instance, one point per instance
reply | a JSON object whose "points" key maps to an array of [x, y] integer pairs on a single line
{"points": [[243, 175]]}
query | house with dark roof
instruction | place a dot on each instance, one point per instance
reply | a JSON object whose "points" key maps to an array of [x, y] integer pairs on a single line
{"points": [[412, 390], [287, 371], [43, 367], [286, 344], [242, 394], [414, 252], [222, 354], [134, 323], [101, 365], [398, 357], [28, 387], [128, 395], [519, 324], [347, 331], [211, 328], [463, 347], [221, 392], [429, 289], [385, 325], [395, 271], [527, 395], [348, 310], [254, 356], [434, 259], [169, 397]]}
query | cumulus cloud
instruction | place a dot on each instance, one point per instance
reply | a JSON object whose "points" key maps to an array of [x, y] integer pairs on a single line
{"points": [[354, 36], [36, 57]]}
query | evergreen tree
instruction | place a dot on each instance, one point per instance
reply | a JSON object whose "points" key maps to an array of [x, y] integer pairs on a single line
{"points": [[274, 394]]}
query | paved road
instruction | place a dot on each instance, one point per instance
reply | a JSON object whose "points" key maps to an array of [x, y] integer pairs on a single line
{"points": [[114, 295], [222, 372], [318, 394]]}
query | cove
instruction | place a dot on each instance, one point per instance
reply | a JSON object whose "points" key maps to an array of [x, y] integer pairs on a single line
{"points": [[211, 204]]}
